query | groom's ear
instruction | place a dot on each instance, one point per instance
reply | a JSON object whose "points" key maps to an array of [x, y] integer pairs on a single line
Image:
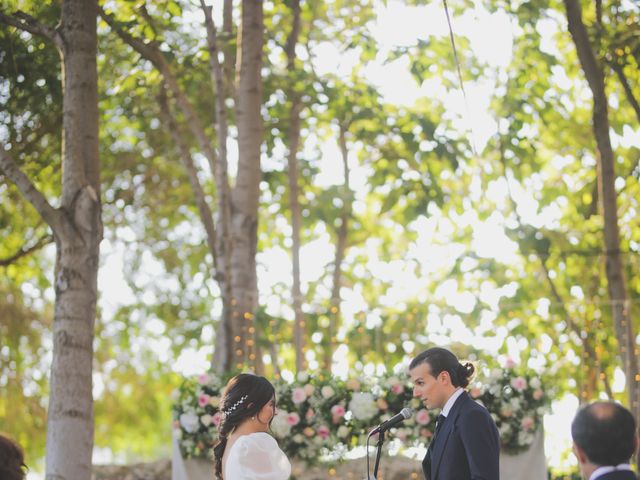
{"points": [[445, 377]]}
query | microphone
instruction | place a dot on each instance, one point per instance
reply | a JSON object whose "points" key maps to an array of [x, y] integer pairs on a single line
{"points": [[393, 421]]}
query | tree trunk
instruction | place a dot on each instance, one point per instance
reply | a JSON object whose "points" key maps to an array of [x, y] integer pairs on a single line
{"points": [[70, 417], [77, 229], [341, 247], [246, 193], [293, 141], [607, 194], [223, 353]]}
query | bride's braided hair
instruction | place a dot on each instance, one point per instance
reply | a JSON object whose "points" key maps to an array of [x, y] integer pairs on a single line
{"points": [[243, 397]]}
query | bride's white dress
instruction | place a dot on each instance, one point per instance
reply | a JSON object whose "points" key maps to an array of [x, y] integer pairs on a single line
{"points": [[256, 457]]}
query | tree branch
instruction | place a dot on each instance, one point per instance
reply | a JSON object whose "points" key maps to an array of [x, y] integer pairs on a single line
{"points": [[145, 49], [627, 88], [31, 193], [203, 207], [150, 52], [27, 23], [24, 251]]}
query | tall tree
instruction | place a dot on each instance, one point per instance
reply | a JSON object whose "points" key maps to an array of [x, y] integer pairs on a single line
{"points": [[293, 142], [616, 282], [246, 192], [235, 241], [77, 230]]}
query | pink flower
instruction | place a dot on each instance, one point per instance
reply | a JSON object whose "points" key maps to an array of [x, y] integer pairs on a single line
{"points": [[527, 423], [506, 412], [509, 363], [308, 432], [298, 395], [397, 388], [519, 383], [293, 419], [309, 389], [323, 432], [338, 411], [310, 414], [538, 394], [203, 399], [475, 392], [203, 379], [422, 417], [382, 404], [217, 418], [425, 432]]}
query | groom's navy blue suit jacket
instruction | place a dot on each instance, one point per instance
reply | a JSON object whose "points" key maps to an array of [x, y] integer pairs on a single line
{"points": [[467, 447]]}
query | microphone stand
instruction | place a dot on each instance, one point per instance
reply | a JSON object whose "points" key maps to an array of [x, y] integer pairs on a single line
{"points": [[379, 451]]}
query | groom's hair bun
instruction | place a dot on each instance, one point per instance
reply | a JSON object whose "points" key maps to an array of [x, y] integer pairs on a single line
{"points": [[442, 360]]}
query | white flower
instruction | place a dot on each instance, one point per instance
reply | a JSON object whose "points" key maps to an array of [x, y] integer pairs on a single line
{"points": [[303, 377], [206, 419], [393, 381], [363, 406], [297, 437], [327, 391], [535, 383], [189, 421], [343, 431], [280, 426]]}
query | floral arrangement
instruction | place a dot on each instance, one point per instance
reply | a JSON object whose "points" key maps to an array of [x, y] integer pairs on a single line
{"points": [[517, 402], [196, 416], [322, 418]]}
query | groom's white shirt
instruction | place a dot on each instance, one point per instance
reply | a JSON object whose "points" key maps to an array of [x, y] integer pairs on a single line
{"points": [[452, 399]]}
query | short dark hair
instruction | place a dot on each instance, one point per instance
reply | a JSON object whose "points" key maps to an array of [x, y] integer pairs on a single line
{"points": [[606, 432], [442, 360], [12, 465]]}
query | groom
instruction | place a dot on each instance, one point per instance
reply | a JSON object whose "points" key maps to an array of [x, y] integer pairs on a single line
{"points": [[465, 444]]}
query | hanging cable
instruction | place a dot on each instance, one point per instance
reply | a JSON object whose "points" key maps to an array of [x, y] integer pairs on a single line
{"points": [[464, 93]]}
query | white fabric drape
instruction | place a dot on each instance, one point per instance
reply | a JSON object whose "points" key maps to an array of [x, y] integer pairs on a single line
{"points": [[528, 465]]}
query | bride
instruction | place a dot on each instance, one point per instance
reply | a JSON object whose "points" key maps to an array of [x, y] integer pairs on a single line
{"points": [[245, 451]]}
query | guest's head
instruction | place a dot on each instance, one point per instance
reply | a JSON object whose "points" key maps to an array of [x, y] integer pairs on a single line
{"points": [[436, 373], [12, 465], [604, 434], [248, 401]]}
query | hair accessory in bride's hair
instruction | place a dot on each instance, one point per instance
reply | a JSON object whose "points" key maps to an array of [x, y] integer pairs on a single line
{"points": [[230, 410]]}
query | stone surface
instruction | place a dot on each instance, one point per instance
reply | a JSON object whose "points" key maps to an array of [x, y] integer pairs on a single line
{"points": [[391, 468], [160, 470]]}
